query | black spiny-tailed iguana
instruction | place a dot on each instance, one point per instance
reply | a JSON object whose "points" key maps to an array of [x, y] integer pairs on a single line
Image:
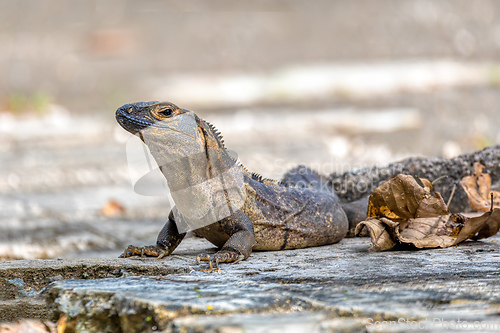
{"points": [[247, 211]]}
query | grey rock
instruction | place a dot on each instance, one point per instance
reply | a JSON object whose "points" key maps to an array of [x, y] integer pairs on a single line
{"points": [[19, 309], [337, 282], [22, 281]]}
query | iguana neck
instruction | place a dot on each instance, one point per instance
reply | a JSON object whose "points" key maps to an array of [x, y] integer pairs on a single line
{"points": [[214, 140], [190, 151]]}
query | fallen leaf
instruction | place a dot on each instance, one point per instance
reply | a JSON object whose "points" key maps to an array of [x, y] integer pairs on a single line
{"points": [[478, 189], [381, 239], [490, 227], [443, 231], [29, 325], [403, 211], [112, 209], [404, 197], [61, 323]]}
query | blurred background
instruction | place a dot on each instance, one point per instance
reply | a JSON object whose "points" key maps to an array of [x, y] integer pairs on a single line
{"points": [[336, 85]]}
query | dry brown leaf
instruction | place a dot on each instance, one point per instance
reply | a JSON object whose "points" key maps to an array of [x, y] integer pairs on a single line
{"points": [[112, 209], [443, 231], [403, 211], [381, 239], [29, 325], [62, 323], [490, 227], [402, 197], [478, 189]]}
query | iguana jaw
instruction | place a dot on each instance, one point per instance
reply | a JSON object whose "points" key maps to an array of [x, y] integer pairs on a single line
{"points": [[133, 125], [135, 117]]}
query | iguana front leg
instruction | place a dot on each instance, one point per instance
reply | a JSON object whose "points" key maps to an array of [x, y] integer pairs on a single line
{"points": [[168, 240], [240, 243]]}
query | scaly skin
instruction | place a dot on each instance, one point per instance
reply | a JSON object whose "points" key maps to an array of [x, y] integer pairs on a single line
{"points": [[273, 216]]}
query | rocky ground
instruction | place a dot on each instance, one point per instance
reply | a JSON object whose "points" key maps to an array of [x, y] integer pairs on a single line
{"points": [[326, 289]]}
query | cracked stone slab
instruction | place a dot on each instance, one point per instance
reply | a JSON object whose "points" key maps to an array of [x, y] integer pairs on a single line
{"points": [[22, 281], [291, 322], [26, 307], [148, 303], [330, 283], [21, 278]]}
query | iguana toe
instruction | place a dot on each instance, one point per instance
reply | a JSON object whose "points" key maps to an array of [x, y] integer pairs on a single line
{"points": [[202, 257], [149, 251], [225, 256]]}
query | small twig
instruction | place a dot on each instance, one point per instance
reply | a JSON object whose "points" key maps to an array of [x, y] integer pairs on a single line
{"points": [[438, 179], [491, 207], [451, 195]]}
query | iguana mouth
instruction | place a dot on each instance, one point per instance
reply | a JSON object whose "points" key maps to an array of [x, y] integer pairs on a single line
{"points": [[130, 123]]}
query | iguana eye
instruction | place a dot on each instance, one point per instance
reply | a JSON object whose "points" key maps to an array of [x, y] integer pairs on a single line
{"points": [[165, 112]]}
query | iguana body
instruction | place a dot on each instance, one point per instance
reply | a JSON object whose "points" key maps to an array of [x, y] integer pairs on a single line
{"points": [[273, 216]]}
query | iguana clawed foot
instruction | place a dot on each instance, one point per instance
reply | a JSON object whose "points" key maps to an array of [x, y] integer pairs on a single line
{"points": [[150, 251], [225, 255]]}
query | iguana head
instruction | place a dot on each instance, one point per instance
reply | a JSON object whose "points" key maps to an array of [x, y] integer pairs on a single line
{"points": [[136, 117], [161, 117], [205, 181]]}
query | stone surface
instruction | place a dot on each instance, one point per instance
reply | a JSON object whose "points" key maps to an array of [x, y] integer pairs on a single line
{"points": [[19, 309], [322, 284], [23, 281]]}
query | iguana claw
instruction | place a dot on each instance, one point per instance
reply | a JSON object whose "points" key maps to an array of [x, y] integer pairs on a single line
{"points": [[150, 251], [206, 257], [225, 256]]}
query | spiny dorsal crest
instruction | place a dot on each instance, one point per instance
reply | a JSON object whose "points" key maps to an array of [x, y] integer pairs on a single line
{"points": [[253, 175], [216, 133]]}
